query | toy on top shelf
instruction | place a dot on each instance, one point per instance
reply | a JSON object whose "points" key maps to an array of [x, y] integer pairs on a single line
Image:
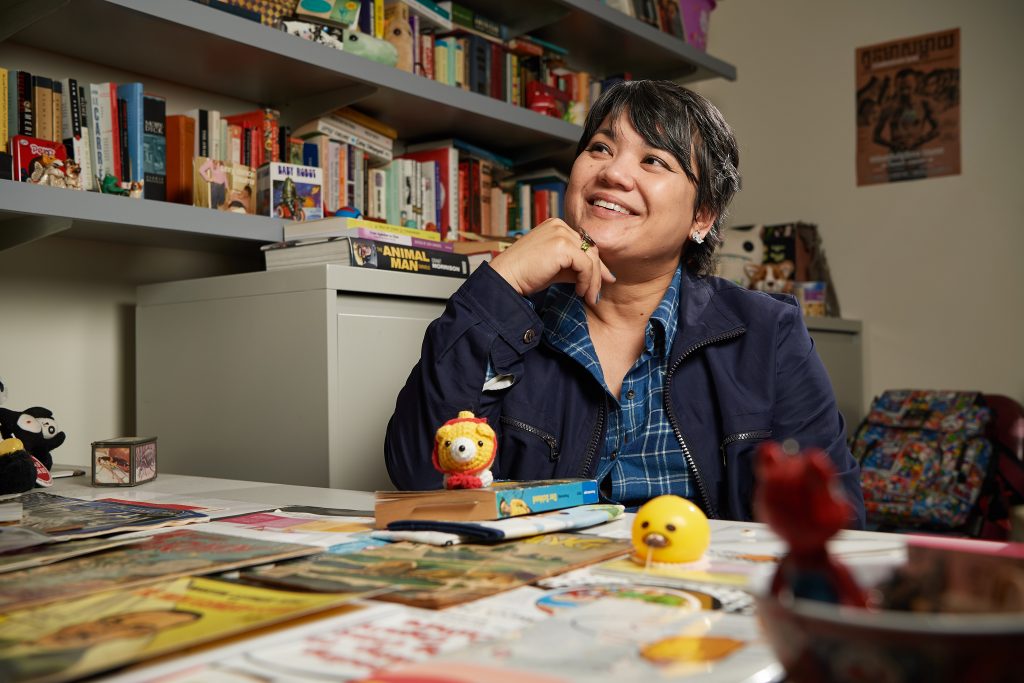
{"points": [[464, 448], [670, 530], [797, 496]]}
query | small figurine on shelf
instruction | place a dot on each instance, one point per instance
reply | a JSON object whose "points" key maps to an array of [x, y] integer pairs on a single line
{"points": [[464, 448], [798, 497], [110, 185], [670, 530]]}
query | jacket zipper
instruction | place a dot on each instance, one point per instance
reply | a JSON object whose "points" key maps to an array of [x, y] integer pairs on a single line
{"points": [[592, 448], [742, 436], [712, 512], [551, 441]]}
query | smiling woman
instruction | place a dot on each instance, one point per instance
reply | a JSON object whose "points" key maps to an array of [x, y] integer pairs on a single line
{"points": [[600, 346]]}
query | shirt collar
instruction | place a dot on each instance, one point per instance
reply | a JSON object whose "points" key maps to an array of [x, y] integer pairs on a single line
{"points": [[565, 319]]}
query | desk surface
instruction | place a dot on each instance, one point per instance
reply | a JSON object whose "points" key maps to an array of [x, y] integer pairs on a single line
{"points": [[248, 496], [226, 489]]}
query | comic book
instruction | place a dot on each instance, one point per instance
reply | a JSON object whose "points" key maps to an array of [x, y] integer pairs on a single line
{"points": [[611, 640], [289, 191], [64, 518], [166, 555], [73, 638], [49, 551], [433, 577], [354, 645]]}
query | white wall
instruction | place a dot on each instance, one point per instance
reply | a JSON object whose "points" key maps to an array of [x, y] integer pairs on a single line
{"points": [[932, 267]]}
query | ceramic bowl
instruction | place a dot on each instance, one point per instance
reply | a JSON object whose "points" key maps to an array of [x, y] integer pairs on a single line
{"points": [[819, 643]]}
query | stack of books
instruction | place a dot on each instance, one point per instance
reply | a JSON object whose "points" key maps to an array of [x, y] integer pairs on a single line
{"points": [[500, 500], [365, 244]]}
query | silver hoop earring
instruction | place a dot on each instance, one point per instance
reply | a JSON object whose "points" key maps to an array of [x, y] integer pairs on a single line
{"points": [[697, 237]]}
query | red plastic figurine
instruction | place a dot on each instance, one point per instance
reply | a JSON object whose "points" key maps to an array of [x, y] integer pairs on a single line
{"points": [[798, 497]]}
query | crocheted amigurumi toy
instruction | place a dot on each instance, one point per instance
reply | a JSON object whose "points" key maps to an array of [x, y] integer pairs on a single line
{"points": [[464, 449]]}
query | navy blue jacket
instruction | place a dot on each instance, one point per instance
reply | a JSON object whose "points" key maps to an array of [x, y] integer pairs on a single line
{"points": [[742, 369]]}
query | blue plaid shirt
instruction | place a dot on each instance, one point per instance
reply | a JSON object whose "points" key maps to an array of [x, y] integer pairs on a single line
{"points": [[641, 457]]}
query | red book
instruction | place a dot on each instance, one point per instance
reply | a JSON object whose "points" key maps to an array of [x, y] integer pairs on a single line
{"points": [[497, 76], [36, 160], [181, 132], [540, 206], [264, 122], [464, 222]]}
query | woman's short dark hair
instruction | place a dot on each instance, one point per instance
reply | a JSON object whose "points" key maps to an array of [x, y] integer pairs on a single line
{"points": [[678, 120]]}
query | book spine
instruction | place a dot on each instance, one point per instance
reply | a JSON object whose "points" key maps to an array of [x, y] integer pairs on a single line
{"points": [[398, 238], [114, 138], [154, 147], [547, 497], [83, 144], [42, 105], [427, 54], [377, 198], [56, 99], [71, 118], [131, 95], [410, 259], [202, 144], [181, 131], [361, 131], [332, 176], [122, 137], [4, 114], [380, 153], [100, 146], [26, 115]]}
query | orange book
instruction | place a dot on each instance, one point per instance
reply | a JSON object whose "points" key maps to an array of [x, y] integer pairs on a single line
{"points": [[181, 132]]}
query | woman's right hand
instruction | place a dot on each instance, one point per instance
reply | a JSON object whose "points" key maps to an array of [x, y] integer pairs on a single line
{"points": [[552, 252]]}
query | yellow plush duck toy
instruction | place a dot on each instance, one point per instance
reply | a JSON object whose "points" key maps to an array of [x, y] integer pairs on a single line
{"points": [[464, 448]]}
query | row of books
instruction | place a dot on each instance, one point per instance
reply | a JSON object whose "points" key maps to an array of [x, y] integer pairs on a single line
{"points": [[112, 132], [119, 132], [452, 44]]}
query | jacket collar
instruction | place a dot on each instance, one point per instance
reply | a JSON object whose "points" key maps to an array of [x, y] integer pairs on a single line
{"points": [[702, 315]]}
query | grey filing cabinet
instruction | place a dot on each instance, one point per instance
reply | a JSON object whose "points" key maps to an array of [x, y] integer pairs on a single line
{"points": [[838, 342], [290, 376], [285, 376]]}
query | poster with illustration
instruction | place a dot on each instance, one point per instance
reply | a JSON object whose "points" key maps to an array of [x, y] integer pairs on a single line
{"points": [[908, 108]]}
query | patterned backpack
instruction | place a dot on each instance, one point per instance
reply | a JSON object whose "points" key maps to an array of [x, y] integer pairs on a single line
{"points": [[924, 458]]}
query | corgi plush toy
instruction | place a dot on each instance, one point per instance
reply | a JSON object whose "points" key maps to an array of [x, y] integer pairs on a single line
{"points": [[771, 277], [464, 449]]}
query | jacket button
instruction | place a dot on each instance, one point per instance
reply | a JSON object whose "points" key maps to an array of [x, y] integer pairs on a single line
{"points": [[528, 336]]}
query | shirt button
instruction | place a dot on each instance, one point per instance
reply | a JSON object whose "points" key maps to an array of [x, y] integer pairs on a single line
{"points": [[615, 455], [630, 394], [528, 336]]}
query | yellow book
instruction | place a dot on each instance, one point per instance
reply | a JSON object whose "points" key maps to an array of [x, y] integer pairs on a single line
{"points": [[342, 226], [4, 132]]}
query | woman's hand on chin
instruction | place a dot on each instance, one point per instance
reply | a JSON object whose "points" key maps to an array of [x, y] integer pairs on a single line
{"points": [[553, 252]]}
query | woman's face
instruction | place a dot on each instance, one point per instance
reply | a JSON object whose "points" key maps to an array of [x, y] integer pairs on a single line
{"points": [[632, 198]]}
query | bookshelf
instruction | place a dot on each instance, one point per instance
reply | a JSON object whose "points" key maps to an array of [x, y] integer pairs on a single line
{"points": [[185, 42]]}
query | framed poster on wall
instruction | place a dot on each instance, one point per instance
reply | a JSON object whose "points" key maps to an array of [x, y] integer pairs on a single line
{"points": [[908, 108]]}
